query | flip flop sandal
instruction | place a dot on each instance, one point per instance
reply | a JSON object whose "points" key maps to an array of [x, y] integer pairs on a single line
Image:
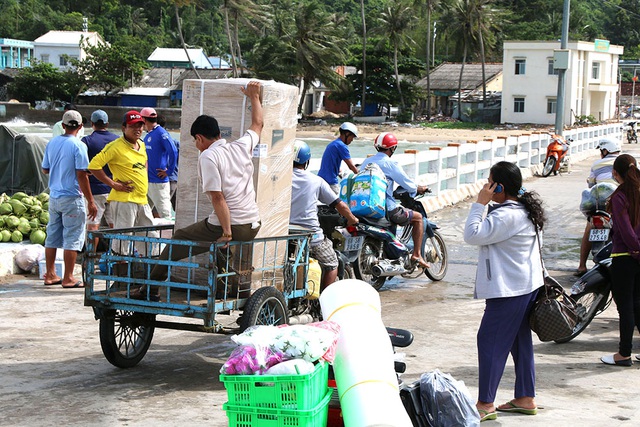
{"points": [[78, 284], [515, 408], [57, 282], [486, 415]]}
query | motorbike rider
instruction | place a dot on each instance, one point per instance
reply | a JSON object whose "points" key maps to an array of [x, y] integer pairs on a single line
{"points": [[386, 144], [336, 152], [307, 190], [600, 172]]}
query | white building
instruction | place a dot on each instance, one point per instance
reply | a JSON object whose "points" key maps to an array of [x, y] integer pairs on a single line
{"points": [[530, 85], [177, 57], [54, 45]]}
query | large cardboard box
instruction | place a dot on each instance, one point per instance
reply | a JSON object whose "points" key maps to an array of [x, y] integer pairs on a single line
{"points": [[272, 158]]}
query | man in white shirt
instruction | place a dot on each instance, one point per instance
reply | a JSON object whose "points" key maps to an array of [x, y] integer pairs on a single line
{"points": [[226, 172]]}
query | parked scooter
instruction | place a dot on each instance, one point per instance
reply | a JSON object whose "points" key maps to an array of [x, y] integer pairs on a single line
{"points": [[557, 155], [632, 136], [592, 292], [386, 250]]}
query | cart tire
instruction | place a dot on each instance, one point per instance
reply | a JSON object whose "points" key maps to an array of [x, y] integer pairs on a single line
{"points": [[266, 306], [125, 336]]}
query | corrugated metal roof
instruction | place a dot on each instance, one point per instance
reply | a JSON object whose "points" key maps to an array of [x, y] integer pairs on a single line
{"points": [[160, 77], [204, 74], [445, 76], [174, 54], [146, 91], [67, 37]]}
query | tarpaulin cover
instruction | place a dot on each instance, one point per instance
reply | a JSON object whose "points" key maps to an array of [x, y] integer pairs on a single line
{"points": [[20, 162]]}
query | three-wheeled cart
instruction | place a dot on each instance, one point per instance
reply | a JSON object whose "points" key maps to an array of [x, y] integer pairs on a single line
{"points": [[265, 278]]}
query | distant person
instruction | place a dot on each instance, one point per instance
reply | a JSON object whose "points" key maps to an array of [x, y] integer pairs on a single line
{"points": [[95, 143], [173, 178], [126, 158], [162, 157], [66, 161], [307, 191], [58, 130], [337, 152]]}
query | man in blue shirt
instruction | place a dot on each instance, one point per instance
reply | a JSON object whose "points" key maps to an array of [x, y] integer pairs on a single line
{"points": [[95, 143], [162, 156], [337, 152], [66, 161], [386, 144]]}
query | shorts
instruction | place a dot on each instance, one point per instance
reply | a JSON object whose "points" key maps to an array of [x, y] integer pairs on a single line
{"points": [[67, 223], [400, 216], [324, 253], [103, 210]]}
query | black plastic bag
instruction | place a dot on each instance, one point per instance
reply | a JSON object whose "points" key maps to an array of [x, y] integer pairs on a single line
{"points": [[446, 401]]}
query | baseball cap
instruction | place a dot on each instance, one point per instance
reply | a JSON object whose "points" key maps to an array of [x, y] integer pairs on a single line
{"points": [[148, 112], [72, 118], [348, 126], [99, 115], [132, 117]]}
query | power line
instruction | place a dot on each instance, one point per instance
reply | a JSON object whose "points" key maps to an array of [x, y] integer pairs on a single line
{"points": [[609, 2]]}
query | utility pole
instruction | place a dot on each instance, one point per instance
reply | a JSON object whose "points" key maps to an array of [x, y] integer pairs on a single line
{"points": [[561, 73]]}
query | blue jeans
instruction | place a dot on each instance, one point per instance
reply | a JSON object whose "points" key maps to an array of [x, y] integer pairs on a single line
{"points": [[505, 329], [67, 223]]}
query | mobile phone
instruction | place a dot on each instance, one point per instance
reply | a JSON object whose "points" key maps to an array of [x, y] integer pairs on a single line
{"points": [[498, 189]]}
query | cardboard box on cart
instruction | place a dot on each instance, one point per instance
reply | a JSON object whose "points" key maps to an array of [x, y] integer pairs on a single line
{"points": [[272, 160]]}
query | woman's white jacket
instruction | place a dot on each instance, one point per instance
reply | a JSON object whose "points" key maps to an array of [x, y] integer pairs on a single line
{"points": [[509, 259]]}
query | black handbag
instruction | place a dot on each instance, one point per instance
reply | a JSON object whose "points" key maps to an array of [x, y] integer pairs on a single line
{"points": [[553, 315]]}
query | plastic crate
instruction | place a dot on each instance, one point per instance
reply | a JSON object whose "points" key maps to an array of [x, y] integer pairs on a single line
{"points": [[248, 416], [299, 392]]}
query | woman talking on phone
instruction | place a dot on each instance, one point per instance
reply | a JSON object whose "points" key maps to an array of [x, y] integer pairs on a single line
{"points": [[508, 277], [624, 206]]}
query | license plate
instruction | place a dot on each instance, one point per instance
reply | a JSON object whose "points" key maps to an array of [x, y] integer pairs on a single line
{"points": [[353, 243], [599, 235]]}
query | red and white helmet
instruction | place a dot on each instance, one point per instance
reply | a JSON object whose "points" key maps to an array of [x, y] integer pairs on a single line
{"points": [[385, 141]]}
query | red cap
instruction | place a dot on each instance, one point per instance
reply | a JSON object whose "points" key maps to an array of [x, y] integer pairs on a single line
{"points": [[132, 117], [148, 112]]}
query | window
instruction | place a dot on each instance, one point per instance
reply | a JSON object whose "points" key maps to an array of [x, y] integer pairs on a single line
{"points": [[44, 57], [551, 105], [595, 71], [63, 61], [520, 66], [552, 71], [518, 105]]}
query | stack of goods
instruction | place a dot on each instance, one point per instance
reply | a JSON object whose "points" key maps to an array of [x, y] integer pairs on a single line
{"points": [[24, 217], [365, 193], [277, 376]]}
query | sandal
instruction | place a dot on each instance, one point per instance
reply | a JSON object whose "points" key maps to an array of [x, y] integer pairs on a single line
{"points": [[486, 415], [422, 263], [512, 407]]}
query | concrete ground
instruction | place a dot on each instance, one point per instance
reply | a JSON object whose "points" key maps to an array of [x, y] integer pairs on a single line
{"points": [[53, 372]]}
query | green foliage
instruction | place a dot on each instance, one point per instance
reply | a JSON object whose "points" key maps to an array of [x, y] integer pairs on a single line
{"points": [[41, 81]]}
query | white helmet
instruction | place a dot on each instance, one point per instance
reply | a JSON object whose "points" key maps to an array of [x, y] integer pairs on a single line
{"points": [[609, 144], [350, 127]]}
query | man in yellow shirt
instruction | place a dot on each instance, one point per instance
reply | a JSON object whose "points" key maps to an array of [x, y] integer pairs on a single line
{"points": [[127, 160]]}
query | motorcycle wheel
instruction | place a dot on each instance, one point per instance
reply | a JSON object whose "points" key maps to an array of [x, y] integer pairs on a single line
{"points": [[588, 305], [437, 264], [368, 258], [549, 166]]}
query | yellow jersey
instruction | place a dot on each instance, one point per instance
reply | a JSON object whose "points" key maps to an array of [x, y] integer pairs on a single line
{"points": [[126, 164]]}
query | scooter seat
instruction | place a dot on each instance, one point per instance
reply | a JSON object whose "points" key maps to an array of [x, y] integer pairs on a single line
{"points": [[376, 222]]}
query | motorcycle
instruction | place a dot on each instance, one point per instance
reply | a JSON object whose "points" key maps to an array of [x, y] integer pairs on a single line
{"points": [[632, 136], [386, 250], [557, 155], [346, 247], [592, 292]]}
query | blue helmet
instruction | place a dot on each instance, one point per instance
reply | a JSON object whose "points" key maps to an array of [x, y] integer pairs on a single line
{"points": [[301, 152]]}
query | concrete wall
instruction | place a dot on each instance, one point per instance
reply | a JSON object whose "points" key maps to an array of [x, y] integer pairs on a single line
{"points": [[22, 110]]}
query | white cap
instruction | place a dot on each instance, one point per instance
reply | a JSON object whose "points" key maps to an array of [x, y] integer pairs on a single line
{"points": [[609, 144], [348, 126]]}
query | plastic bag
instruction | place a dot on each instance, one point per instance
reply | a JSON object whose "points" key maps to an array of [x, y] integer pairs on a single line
{"points": [[292, 367], [249, 360], [446, 401], [595, 198], [28, 257]]}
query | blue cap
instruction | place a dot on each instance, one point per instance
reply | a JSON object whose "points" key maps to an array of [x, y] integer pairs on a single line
{"points": [[98, 115]]}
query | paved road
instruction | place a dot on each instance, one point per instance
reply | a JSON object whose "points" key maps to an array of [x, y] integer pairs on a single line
{"points": [[53, 371]]}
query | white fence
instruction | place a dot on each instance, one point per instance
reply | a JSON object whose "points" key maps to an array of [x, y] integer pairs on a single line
{"points": [[458, 170]]}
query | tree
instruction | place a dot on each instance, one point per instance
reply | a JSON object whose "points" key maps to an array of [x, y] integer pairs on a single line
{"points": [[395, 22], [429, 6], [363, 102], [108, 67], [41, 81]]}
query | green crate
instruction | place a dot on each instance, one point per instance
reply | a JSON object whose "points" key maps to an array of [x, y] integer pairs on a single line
{"points": [[248, 416], [299, 392]]}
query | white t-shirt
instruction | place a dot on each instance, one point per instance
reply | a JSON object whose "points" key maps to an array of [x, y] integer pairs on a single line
{"points": [[227, 167], [306, 190]]}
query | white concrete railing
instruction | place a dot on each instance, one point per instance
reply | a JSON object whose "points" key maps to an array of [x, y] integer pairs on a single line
{"points": [[458, 170]]}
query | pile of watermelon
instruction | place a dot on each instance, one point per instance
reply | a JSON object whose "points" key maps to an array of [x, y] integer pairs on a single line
{"points": [[24, 217]]}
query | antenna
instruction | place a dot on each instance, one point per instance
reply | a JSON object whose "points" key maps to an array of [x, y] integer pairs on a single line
{"points": [[85, 25]]}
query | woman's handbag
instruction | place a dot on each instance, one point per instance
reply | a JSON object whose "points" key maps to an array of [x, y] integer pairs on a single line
{"points": [[553, 315]]}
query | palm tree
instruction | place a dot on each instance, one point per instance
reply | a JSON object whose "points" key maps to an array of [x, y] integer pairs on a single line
{"points": [[396, 21], [483, 25], [429, 6], [364, 57]]}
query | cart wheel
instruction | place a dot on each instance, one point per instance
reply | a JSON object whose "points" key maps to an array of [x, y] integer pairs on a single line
{"points": [[265, 307], [125, 336]]}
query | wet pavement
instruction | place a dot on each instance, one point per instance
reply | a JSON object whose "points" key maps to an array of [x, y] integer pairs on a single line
{"points": [[53, 371]]}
